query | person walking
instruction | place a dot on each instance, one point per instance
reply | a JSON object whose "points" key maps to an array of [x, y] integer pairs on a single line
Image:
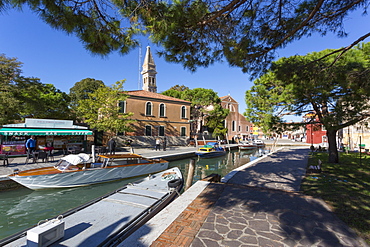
{"points": [[30, 145], [164, 143], [112, 146], [158, 144]]}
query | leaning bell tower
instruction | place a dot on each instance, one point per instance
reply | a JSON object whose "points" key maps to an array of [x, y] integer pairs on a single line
{"points": [[149, 72]]}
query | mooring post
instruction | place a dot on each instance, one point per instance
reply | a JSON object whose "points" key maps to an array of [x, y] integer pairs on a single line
{"points": [[93, 153], [191, 170]]}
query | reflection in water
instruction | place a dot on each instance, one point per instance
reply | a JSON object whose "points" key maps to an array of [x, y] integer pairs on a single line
{"points": [[219, 165], [23, 208]]}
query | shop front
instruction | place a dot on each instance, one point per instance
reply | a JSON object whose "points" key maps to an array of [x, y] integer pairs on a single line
{"points": [[50, 134]]}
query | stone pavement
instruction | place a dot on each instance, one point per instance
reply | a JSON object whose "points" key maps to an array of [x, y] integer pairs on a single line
{"points": [[260, 206]]}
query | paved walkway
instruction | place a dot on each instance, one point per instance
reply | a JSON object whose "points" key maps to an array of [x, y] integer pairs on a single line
{"points": [[259, 206]]}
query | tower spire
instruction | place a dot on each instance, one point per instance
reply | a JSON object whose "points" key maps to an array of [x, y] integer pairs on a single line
{"points": [[149, 72]]}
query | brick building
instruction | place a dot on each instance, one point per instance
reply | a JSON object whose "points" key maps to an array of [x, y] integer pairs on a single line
{"points": [[237, 125]]}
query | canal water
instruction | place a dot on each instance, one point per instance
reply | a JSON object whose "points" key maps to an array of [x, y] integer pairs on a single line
{"points": [[23, 208]]}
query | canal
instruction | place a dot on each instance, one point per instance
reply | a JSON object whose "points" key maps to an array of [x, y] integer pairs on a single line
{"points": [[23, 208]]}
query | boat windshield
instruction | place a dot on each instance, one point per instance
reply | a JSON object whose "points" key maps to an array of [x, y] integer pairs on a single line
{"points": [[62, 165]]}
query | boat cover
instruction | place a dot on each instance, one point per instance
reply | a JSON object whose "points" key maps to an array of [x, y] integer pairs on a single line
{"points": [[76, 159]]}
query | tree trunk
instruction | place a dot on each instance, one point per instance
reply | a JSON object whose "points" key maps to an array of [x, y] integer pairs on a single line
{"points": [[333, 150]]}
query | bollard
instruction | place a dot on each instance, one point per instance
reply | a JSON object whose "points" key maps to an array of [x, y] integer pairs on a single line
{"points": [[191, 170], [93, 153]]}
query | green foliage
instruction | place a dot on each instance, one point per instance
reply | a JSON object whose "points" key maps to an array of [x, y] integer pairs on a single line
{"points": [[302, 84], [345, 187], [81, 91], [10, 70], [179, 88], [22, 97], [201, 97], [215, 121], [101, 109], [174, 93], [96, 23], [40, 100], [196, 33], [205, 107]]}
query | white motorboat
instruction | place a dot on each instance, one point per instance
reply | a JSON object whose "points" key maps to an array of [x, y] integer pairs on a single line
{"points": [[107, 220], [245, 145], [77, 170], [259, 143]]}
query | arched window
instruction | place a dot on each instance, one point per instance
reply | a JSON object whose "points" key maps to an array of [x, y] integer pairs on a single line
{"points": [[247, 128], [148, 109], [233, 127], [122, 107], [231, 107], [162, 110], [183, 111]]}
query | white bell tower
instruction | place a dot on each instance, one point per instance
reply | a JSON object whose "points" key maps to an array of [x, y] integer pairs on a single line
{"points": [[149, 72]]}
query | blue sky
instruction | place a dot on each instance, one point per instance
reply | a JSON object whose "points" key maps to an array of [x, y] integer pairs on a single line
{"points": [[61, 59]]}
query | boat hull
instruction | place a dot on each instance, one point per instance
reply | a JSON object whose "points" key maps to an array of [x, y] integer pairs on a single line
{"points": [[210, 154], [87, 177], [247, 147], [107, 220]]}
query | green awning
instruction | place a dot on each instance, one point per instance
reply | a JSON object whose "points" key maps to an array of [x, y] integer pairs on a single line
{"points": [[43, 132]]}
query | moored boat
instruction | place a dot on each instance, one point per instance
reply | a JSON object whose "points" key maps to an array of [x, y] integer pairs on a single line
{"points": [[210, 150], [259, 143], [77, 170], [245, 145], [109, 219]]}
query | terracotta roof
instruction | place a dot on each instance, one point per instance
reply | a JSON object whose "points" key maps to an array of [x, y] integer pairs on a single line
{"points": [[231, 99], [147, 94]]}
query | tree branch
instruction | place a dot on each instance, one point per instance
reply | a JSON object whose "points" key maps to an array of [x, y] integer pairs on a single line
{"points": [[290, 34], [345, 49], [228, 8]]}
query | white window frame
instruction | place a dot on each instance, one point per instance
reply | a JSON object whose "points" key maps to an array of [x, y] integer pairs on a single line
{"points": [[164, 109], [183, 116], [146, 108], [183, 128]]}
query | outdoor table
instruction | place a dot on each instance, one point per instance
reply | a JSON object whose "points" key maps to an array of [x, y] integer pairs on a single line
{"points": [[48, 149]]}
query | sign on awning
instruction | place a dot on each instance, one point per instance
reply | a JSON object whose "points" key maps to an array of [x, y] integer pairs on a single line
{"points": [[43, 132]]}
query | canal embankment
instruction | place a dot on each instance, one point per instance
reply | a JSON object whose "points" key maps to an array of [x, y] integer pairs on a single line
{"points": [[258, 204], [171, 153]]}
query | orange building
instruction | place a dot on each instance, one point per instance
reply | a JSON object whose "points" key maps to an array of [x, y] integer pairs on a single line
{"points": [[156, 114]]}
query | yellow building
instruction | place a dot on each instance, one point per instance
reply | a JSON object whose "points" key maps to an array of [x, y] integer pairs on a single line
{"points": [[355, 135]]}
